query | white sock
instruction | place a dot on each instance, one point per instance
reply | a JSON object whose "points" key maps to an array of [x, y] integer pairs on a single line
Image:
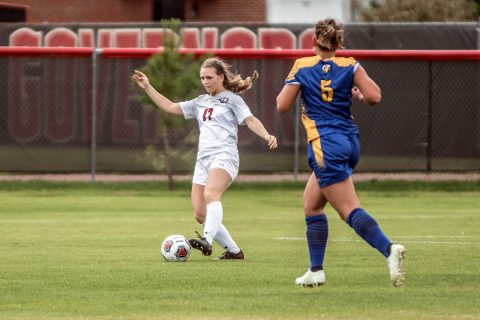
{"points": [[213, 220], [224, 239]]}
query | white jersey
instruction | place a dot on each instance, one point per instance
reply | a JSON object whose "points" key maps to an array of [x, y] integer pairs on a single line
{"points": [[218, 118]]}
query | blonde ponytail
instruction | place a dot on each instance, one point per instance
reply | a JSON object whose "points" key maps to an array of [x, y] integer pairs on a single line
{"points": [[233, 82]]}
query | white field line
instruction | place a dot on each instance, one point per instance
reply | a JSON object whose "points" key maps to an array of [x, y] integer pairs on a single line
{"points": [[406, 239]]}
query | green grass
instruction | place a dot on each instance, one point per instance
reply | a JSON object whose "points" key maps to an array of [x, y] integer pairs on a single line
{"points": [[91, 251]]}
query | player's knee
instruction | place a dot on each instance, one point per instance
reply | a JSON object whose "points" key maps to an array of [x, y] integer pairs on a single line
{"points": [[313, 206], [312, 210], [199, 213], [211, 196], [199, 216]]}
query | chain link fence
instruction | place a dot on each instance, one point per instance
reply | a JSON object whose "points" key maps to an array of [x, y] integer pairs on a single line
{"points": [[82, 114]]}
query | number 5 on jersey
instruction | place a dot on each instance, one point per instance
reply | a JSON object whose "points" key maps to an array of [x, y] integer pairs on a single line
{"points": [[207, 114], [327, 91]]}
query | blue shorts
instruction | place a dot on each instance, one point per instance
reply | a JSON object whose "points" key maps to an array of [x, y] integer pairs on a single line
{"points": [[333, 157]]}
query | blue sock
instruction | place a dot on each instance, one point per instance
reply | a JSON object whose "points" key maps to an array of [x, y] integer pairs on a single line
{"points": [[317, 234], [367, 228]]}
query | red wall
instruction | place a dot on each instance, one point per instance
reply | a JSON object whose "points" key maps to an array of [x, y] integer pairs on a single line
{"points": [[64, 11], [226, 10], [86, 10]]}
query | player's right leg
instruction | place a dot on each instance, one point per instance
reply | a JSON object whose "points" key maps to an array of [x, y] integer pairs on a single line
{"points": [[395, 264], [199, 182], [199, 211], [343, 198]]}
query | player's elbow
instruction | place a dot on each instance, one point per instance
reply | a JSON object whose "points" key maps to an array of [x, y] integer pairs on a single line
{"points": [[373, 98], [250, 120], [281, 108]]}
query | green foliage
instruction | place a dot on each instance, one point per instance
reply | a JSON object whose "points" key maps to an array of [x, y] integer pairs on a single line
{"points": [[171, 73], [176, 76], [159, 159], [92, 251], [420, 10]]}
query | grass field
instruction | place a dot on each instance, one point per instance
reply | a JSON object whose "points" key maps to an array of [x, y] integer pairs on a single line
{"points": [[92, 251]]}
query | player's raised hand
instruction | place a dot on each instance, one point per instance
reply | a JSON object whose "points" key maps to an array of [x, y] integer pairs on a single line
{"points": [[271, 141], [141, 79]]}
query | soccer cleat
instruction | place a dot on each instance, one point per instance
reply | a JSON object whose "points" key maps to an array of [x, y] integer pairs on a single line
{"points": [[311, 279], [395, 264], [202, 245], [227, 255]]}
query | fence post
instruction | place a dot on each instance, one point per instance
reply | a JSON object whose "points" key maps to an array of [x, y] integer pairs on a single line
{"points": [[95, 54], [478, 114], [297, 140], [429, 116], [478, 34]]}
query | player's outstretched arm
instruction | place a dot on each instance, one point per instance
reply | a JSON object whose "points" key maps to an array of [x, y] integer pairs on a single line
{"points": [[256, 126], [161, 101]]}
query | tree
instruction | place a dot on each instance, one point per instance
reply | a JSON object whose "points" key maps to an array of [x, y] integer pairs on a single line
{"points": [[176, 76], [420, 10]]}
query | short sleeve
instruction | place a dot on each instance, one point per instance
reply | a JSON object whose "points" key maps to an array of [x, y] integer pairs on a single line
{"points": [[189, 107], [240, 109], [355, 66], [291, 79]]}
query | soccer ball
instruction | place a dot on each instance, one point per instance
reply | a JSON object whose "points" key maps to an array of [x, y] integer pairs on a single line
{"points": [[175, 248]]}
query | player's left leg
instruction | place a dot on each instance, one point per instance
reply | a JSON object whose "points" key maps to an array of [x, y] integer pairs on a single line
{"points": [[217, 183], [223, 237], [317, 233], [223, 171], [226, 241]]}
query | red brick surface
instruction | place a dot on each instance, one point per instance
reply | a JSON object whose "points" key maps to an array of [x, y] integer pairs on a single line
{"points": [[86, 10], [68, 11], [226, 10]]}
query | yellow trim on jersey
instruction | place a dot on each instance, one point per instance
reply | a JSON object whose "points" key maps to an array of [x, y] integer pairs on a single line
{"points": [[310, 127], [302, 63], [318, 152], [344, 62], [311, 61]]}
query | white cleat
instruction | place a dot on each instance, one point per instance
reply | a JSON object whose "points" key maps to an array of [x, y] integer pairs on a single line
{"points": [[311, 279], [395, 264]]}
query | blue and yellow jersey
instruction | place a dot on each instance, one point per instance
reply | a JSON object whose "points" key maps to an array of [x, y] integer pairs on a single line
{"points": [[326, 87]]}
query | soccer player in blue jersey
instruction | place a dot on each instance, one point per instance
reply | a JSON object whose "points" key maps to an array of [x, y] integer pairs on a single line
{"points": [[219, 112], [327, 85]]}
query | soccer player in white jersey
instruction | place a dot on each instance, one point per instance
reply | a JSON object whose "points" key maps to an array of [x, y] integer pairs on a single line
{"points": [[218, 113]]}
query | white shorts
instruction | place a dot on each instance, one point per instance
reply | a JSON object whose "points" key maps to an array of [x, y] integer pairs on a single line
{"points": [[224, 161]]}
